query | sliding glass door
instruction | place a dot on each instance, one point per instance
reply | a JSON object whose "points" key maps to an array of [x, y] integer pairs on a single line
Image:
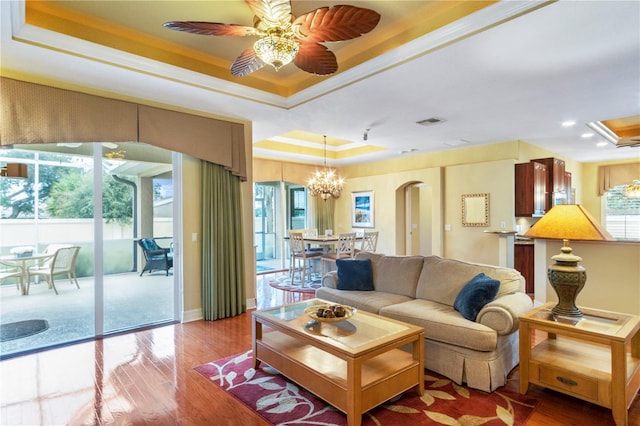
{"points": [[278, 207], [49, 218], [137, 203], [50, 210]]}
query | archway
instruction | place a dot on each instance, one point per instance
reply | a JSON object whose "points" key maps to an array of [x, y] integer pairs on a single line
{"points": [[413, 218]]}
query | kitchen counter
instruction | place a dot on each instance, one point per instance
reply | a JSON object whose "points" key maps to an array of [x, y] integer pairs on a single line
{"points": [[524, 241]]}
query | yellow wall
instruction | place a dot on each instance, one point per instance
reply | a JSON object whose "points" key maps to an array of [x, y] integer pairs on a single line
{"points": [[613, 274], [493, 177], [384, 188], [191, 223]]}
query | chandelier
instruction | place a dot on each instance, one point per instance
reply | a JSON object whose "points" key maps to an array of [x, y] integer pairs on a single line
{"points": [[325, 183], [277, 48], [633, 190]]}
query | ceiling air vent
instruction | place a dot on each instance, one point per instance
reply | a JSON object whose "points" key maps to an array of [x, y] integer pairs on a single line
{"points": [[431, 121]]}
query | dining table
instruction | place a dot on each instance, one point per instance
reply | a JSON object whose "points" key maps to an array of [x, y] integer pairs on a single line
{"points": [[324, 241], [21, 262]]}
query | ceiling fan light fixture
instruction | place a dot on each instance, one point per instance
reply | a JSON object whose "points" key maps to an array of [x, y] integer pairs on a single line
{"points": [[282, 36], [276, 50]]}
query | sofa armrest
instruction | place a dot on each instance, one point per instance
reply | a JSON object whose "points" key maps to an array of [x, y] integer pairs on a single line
{"points": [[502, 314], [330, 279]]}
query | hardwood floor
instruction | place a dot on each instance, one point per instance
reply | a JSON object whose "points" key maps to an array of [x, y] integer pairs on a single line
{"points": [[148, 378]]}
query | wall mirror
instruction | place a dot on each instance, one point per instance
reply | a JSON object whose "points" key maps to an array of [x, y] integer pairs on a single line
{"points": [[475, 210]]}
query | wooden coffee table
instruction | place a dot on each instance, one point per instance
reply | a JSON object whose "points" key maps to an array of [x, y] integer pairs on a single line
{"points": [[355, 365]]}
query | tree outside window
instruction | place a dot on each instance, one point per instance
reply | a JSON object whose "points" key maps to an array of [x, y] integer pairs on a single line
{"points": [[622, 214]]}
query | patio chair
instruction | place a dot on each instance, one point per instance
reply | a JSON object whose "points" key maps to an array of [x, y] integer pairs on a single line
{"points": [[11, 270], [61, 262], [156, 257]]}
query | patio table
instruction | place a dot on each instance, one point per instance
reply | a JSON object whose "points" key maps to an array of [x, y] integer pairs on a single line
{"points": [[21, 263]]}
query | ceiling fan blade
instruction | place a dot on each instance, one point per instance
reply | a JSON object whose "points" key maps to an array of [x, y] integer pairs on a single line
{"points": [[316, 59], [211, 28], [246, 63], [276, 11], [337, 23]]}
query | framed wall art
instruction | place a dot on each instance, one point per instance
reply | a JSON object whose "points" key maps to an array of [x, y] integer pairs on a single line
{"points": [[362, 208], [475, 210]]}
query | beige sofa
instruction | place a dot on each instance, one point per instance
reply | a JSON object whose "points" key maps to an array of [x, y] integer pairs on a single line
{"points": [[422, 290]]}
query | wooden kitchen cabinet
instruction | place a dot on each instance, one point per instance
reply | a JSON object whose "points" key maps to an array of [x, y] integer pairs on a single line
{"points": [[523, 254], [530, 189], [556, 190]]}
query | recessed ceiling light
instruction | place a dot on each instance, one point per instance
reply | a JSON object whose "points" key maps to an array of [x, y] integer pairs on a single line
{"points": [[568, 123], [586, 135], [602, 143]]}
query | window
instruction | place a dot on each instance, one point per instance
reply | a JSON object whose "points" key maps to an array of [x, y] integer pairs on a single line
{"points": [[298, 205], [622, 214]]}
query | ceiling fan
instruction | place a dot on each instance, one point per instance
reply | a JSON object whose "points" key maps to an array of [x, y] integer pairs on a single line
{"points": [[284, 38]]}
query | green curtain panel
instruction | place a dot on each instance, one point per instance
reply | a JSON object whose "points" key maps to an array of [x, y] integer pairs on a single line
{"points": [[223, 278], [324, 214]]}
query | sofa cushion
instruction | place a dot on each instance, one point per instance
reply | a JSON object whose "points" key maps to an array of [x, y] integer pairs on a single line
{"points": [[375, 257], [370, 301], [475, 294], [398, 274], [355, 274], [442, 279], [444, 324]]}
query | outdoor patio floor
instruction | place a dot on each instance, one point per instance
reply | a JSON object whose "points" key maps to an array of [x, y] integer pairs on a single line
{"points": [[130, 300]]}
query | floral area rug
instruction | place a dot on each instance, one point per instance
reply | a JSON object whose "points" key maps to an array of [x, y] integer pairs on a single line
{"points": [[282, 402]]}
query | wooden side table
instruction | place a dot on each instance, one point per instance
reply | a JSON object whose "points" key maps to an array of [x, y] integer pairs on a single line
{"points": [[596, 359]]}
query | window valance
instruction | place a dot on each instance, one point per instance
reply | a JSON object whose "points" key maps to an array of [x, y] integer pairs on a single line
{"points": [[275, 171], [34, 113], [617, 174]]}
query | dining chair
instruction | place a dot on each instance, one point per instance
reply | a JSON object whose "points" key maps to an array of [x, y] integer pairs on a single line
{"points": [[369, 241], [345, 249], [11, 270], [63, 261], [300, 252], [310, 232]]}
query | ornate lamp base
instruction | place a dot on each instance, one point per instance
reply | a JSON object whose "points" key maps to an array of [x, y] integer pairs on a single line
{"points": [[567, 279]]}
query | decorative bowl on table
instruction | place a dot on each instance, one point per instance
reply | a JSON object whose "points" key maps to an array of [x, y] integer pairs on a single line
{"points": [[330, 312]]}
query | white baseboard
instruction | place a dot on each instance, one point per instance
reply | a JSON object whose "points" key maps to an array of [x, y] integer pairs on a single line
{"points": [[192, 315], [196, 314]]}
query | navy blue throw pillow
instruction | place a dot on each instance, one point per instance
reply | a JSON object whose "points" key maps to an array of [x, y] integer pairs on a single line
{"points": [[355, 274], [475, 294]]}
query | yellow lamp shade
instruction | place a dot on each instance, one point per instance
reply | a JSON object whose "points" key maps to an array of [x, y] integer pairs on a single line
{"points": [[569, 222]]}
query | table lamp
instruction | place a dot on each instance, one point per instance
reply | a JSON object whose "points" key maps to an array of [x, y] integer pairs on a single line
{"points": [[568, 222]]}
